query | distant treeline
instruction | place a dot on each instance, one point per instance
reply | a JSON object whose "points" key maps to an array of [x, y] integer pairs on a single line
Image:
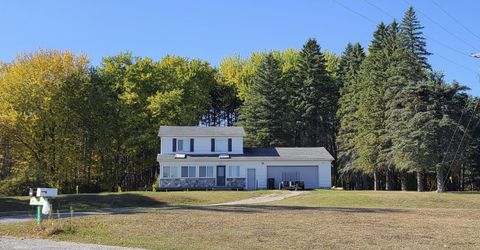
{"points": [[389, 119]]}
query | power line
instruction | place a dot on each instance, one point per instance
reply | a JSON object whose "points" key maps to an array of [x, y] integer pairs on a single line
{"points": [[460, 144], [379, 9], [458, 64], [430, 38], [445, 58], [443, 28], [447, 46], [454, 19], [355, 12]]}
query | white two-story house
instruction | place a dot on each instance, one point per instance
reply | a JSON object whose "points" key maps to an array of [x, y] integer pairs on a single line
{"points": [[212, 157]]}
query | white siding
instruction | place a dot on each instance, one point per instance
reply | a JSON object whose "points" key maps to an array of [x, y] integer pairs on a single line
{"points": [[324, 169], [202, 145], [324, 174]]}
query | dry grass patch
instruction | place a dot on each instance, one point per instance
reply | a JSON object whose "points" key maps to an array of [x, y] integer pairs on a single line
{"points": [[274, 227], [315, 220]]}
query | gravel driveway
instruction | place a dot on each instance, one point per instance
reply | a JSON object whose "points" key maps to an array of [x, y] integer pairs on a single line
{"points": [[264, 198]]}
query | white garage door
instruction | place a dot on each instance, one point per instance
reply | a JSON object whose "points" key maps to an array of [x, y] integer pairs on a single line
{"points": [[308, 174]]}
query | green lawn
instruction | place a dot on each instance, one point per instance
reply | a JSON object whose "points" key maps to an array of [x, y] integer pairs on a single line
{"points": [[85, 202], [385, 199], [322, 219]]}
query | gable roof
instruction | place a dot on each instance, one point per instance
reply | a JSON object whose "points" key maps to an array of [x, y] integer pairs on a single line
{"points": [[200, 131], [262, 154]]}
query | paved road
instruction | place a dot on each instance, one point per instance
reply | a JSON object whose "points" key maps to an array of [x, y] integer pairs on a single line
{"points": [[12, 243]]}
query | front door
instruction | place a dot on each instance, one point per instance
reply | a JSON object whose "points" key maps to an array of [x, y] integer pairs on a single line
{"points": [[251, 179], [220, 175]]}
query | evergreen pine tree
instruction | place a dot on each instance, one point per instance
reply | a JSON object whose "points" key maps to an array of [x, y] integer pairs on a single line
{"points": [[317, 98], [371, 107], [350, 64], [430, 117], [413, 40], [264, 115]]}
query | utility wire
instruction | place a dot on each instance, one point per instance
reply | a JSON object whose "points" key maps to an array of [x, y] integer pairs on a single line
{"points": [[430, 38], [442, 27], [379, 9], [445, 58], [454, 19], [460, 144], [458, 64], [355, 12]]}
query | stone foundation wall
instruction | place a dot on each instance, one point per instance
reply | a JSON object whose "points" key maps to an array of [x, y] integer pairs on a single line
{"points": [[200, 183], [188, 183], [235, 182]]}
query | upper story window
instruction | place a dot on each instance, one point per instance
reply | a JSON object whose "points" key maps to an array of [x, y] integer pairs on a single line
{"points": [[183, 144], [221, 145]]}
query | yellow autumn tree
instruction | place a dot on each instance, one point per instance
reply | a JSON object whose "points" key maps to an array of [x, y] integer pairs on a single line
{"points": [[31, 116]]}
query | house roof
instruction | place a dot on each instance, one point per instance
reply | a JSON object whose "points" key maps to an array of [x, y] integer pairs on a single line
{"points": [[200, 131], [261, 154]]}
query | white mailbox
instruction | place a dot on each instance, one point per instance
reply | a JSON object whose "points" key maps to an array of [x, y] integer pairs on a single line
{"points": [[47, 192], [43, 192]]}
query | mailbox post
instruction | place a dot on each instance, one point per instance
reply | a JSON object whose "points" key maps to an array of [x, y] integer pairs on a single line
{"points": [[40, 199]]}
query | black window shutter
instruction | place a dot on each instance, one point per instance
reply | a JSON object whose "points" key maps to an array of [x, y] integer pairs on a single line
{"points": [[229, 144], [192, 141], [213, 145], [174, 145]]}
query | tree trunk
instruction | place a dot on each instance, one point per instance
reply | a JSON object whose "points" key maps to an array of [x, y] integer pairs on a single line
{"points": [[462, 178], [376, 181], [389, 180], [365, 182], [403, 181], [358, 181], [420, 181], [441, 179]]}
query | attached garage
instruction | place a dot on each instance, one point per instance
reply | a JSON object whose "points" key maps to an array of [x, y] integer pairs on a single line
{"points": [[308, 174]]}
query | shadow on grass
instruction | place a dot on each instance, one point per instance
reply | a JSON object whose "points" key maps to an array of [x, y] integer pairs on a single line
{"points": [[280, 208], [81, 202], [8, 204], [463, 192], [156, 206], [107, 201]]}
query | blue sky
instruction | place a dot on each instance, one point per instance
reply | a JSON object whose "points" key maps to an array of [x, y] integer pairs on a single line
{"points": [[212, 30]]}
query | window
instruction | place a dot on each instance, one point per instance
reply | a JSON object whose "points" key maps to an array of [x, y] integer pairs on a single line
{"points": [[180, 145], [183, 145], [189, 171], [221, 145], [205, 171], [170, 172], [166, 172], [233, 171]]}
